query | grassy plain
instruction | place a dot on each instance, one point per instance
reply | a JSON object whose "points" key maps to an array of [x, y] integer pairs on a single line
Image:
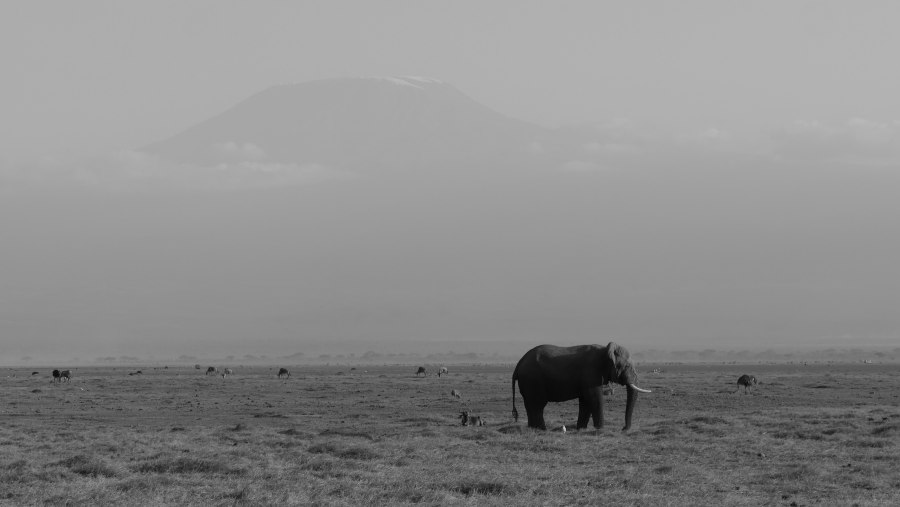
{"points": [[379, 435]]}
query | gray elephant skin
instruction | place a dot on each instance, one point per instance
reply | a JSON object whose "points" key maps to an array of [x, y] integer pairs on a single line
{"points": [[551, 373]]}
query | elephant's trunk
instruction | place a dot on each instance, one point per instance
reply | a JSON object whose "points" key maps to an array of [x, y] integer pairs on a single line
{"points": [[629, 405]]}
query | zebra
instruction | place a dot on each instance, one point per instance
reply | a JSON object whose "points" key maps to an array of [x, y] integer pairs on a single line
{"points": [[422, 371], [443, 371], [456, 394], [226, 372], [212, 369], [747, 381], [285, 372]]}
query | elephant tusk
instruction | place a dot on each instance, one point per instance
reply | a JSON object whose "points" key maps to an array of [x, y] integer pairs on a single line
{"points": [[636, 388]]}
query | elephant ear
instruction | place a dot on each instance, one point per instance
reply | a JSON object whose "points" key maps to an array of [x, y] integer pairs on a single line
{"points": [[618, 357]]}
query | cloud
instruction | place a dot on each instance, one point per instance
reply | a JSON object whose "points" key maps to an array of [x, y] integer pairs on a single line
{"points": [[582, 166], [605, 148], [133, 171], [239, 152], [855, 141]]}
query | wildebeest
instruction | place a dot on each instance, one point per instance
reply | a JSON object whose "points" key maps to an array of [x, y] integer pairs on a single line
{"points": [[212, 369], [456, 394], [471, 420], [55, 376], [284, 372], [442, 371], [421, 370], [747, 381]]}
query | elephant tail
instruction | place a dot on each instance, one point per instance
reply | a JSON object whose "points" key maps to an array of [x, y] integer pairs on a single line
{"points": [[515, 377]]}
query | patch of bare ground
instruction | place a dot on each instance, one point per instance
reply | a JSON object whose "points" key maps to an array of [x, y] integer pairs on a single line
{"points": [[176, 437]]}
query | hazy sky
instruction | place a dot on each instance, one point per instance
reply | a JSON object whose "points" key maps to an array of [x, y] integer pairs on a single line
{"points": [[89, 76], [739, 188]]}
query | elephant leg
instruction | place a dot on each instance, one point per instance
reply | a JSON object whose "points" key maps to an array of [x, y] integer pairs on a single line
{"points": [[595, 402], [535, 412], [584, 413]]}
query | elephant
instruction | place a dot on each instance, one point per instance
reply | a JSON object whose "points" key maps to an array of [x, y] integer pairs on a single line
{"points": [[552, 373]]}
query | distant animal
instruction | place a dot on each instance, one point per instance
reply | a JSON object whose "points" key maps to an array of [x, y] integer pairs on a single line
{"points": [[196, 366], [455, 393], [443, 371], [284, 372], [422, 371], [65, 376], [212, 369], [35, 373], [471, 420], [747, 381], [226, 372]]}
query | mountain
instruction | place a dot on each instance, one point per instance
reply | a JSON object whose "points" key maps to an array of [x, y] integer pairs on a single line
{"points": [[359, 123]]}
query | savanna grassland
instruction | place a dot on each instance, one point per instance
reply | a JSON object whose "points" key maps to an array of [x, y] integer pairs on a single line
{"points": [[332, 435]]}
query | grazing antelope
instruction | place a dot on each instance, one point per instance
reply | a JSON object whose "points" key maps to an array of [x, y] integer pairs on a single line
{"points": [[471, 420], [212, 369], [443, 371], [284, 372], [226, 372], [747, 381], [422, 371], [456, 394]]}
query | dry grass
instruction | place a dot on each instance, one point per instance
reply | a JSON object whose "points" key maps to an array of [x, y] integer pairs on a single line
{"points": [[808, 435]]}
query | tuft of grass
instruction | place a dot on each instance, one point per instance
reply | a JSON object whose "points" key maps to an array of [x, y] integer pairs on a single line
{"points": [[709, 419], [187, 465], [480, 487], [347, 432], [888, 430], [344, 451], [144, 483], [514, 429], [90, 466]]}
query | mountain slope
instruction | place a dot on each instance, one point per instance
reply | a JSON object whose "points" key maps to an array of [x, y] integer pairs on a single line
{"points": [[359, 123]]}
